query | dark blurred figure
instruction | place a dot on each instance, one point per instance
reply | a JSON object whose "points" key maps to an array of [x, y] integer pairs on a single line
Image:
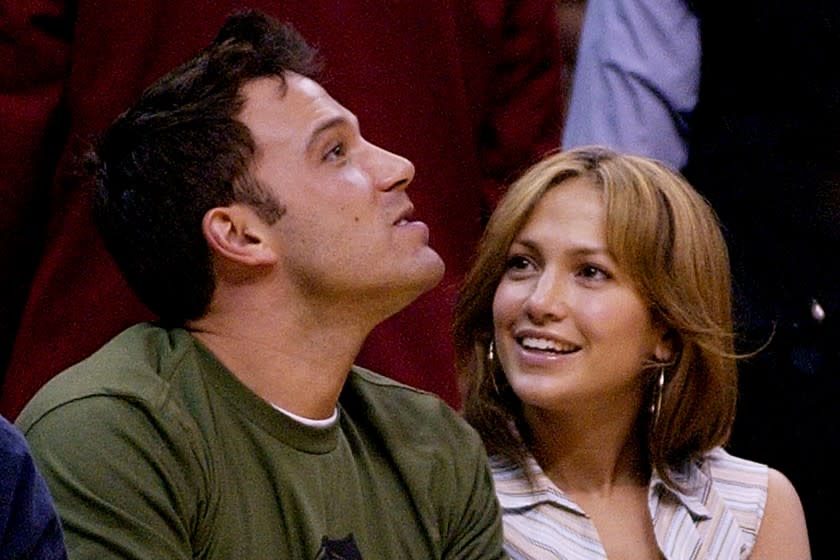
{"points": [[570, 20], [469, 91], [744, 98], [29, 525]]}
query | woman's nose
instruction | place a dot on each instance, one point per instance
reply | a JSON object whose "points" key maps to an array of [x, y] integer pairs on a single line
{"points": [[548, 301]]}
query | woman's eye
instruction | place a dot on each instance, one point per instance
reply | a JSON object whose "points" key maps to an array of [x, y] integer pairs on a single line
{"points": [[593, 272], [518, 262]]}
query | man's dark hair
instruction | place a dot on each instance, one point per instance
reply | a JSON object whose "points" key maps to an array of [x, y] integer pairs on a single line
{"points": [[180, 151]]}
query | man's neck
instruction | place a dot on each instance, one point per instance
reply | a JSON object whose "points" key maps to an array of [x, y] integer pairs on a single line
{"points": [[296, 367]]}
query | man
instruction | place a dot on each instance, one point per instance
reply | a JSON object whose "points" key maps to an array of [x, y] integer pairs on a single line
{"points": [[469, 91], [247, 211], [29, 525], [744, 99]]}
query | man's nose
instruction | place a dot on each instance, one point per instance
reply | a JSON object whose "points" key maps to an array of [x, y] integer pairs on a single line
{"points": [[392, 171]]}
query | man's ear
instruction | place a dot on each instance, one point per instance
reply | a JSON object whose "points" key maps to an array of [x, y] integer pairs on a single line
{"points": [[236, 233]]}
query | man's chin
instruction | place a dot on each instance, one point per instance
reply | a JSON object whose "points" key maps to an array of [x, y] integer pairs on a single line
{"points": [[423, 278], [435, 270]]}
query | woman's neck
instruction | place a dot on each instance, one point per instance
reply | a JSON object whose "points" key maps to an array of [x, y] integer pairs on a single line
{"points": [[591, 455]]}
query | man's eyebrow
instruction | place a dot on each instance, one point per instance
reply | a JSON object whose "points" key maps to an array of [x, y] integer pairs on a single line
{"points": [[328, 124]]}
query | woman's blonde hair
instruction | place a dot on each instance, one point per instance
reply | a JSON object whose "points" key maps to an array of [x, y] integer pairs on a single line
{"points": [[667, 239]]}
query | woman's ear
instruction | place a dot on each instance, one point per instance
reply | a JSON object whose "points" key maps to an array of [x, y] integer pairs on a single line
{"points": [[663, 352], [236, 233]]}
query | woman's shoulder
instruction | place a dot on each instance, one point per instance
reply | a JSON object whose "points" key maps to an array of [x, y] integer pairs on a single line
{"points": [[721, 464], [720, 501], [739, 481]]}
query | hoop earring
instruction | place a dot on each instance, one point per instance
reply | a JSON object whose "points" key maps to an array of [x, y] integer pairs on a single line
{"points": [[656, 401], [491, 356]]}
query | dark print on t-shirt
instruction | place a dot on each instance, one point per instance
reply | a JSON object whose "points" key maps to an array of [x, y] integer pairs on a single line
{"points": [[338, 549]]}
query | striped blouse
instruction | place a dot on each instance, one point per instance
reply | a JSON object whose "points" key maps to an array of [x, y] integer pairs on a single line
{"points": [[715, 514]]}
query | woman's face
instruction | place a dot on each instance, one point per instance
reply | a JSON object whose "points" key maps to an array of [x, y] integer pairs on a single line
{"points": [[571, 330]]}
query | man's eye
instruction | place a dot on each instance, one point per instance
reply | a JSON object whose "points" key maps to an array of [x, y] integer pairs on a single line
{"points": [[335, 152]]}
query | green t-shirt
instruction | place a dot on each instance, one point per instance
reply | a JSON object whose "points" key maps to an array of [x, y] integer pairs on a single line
{"points": [[154, 450]]}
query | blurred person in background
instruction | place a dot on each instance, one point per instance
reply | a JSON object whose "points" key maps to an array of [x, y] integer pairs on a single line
{"points": [[744, 99], [29, 524]]}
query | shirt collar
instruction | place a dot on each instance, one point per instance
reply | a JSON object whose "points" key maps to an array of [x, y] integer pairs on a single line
{"points": [[515, 493], [691, 485]]}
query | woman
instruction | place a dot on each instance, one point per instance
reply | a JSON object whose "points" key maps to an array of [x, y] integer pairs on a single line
{"points": [[594, 334]]}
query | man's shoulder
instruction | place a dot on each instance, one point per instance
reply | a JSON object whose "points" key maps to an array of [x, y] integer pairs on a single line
{"points": [[394, 406], [134, 365], [395, 395]]}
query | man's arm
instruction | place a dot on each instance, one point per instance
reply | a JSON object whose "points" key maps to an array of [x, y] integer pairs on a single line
{"points": [[126, 481], [636, 79], [475, 532]]}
